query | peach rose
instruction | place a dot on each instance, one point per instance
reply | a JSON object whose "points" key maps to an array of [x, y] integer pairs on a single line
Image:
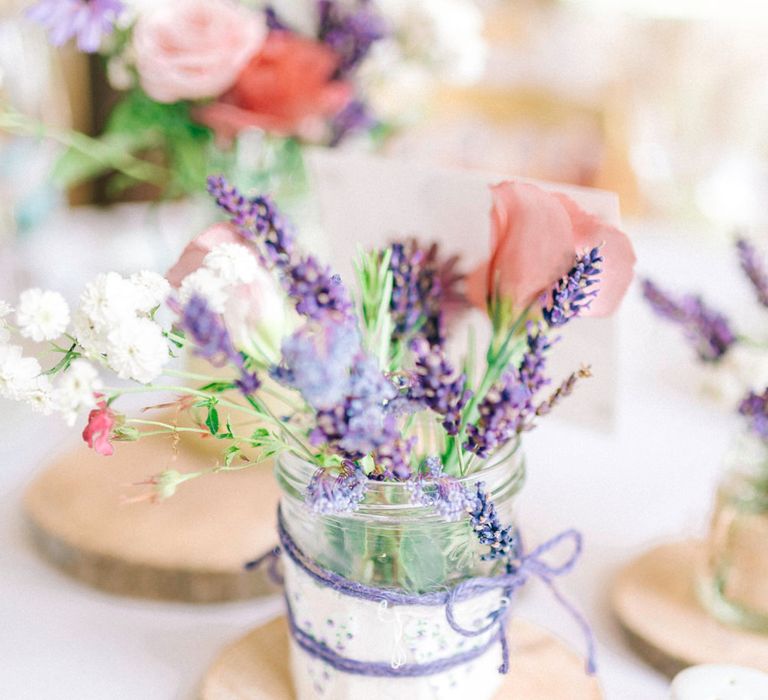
{"points": [[287, 88], [192, 49], [535, 235]]}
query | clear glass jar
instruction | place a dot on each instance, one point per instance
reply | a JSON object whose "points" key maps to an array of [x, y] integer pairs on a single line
{"points": [[733, 581], [391, 543]]}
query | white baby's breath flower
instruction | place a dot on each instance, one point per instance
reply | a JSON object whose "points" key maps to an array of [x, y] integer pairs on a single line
{"points": [[206, 284], [233, 263], [40, 395], [109, 300], [137, 350], [17, 373], [151, 289], [76, 388], [42, 315], [5, 310], [93, 342]]}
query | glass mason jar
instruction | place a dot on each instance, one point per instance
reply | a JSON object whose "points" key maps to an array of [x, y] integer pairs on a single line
{"points": [[393, 544], [733, 580]]}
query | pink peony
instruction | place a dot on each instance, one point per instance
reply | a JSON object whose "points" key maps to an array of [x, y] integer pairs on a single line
{"points": [[101, 422], [287, 88], [535, 236], [193, 49]]}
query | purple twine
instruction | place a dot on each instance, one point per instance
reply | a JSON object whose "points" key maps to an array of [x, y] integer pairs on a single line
{"points": [[525, 566], [270, 558]]}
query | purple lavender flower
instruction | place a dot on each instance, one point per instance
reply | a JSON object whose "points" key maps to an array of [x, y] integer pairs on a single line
{"points": [[329, 492], [444, 493], [355, 117], [316, 291], [755, 408], [316, 361], [213, 342], [361, 422], [435, 385], [708, 330], [565, 389], [349, 32], [87, 20], [574, 292], [508, 408], [393, 458], [504, 542], [754, 268]]}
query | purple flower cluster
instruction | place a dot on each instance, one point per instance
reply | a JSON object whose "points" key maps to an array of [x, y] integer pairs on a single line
{"points": [[504, 542], [446, 494], [316, 291], [213, 342], [708, 330], [353, 118], [316, 361], [565, 389], [361, 422], [508, 407], [350, 32], [754, 268], [87, 20], [755, 408], [417, 292], [574, 292], [435, 384], [329, 492], [393, 458]]}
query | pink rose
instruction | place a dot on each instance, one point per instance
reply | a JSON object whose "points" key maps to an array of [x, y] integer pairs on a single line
{"points": [[287, 88], [535, 236], [192, 256], [192, 49], [101, 422]]}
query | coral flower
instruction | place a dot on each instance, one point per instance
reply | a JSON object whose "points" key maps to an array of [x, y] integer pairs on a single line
{"points": [[535, 236], [101, 422], [287, 88]]}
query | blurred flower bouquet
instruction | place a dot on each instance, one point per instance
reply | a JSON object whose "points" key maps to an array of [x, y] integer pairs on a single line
{"points": [[398, 466], [198, 77], [732, 581]]}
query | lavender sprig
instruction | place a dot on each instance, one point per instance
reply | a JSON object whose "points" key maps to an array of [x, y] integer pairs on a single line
{"points": [[754, 268], [329, 492], [755, 408], [213, 342], [504, 542], [708, 330], [86, 20], [349, 32], [565, 389], [432, 487], [436, 385], [316, 291], [575, 291]]}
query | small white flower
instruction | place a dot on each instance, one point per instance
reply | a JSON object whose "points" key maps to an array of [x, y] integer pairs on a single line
{"points": [[17, 373], [109, 300], [5, 310], [76, 388], [92, 341], [233, 263], [151, 289], [206, 284], [40, 395], [137, 350], [42, 315]]}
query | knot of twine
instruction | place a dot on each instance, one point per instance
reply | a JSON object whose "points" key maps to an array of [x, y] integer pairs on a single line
{"points": [[519, 572]]}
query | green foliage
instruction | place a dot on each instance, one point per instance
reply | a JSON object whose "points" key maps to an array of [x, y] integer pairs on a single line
{"points": [[375, 282], [422, 561]]}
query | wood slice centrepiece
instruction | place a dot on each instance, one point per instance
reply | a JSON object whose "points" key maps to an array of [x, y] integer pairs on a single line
{"points": [[190, 547], [655, 601], [257, 667]]}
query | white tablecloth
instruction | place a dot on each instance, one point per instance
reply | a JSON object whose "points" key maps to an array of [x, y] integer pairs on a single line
{"points": [[651, 478]]}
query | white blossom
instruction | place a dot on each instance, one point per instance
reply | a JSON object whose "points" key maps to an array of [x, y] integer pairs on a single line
{"points": [[42, 315], [39, 394], [137, 350], [151, 288], [109, 300], [206, 284], [75, 389], [17, 373], [5, 310], [232, 263], [93, 341]]}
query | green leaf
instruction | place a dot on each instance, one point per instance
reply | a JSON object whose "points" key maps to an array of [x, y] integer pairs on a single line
{"points": [[212, 420], [218, 387], [422, 562], [229, 455]]}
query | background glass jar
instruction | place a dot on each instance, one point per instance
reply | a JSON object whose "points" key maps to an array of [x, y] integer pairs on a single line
{"points": [[390, 543], [733, 580]]}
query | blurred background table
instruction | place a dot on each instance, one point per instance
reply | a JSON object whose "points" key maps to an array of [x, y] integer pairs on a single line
{"points": [[650, 479]]}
